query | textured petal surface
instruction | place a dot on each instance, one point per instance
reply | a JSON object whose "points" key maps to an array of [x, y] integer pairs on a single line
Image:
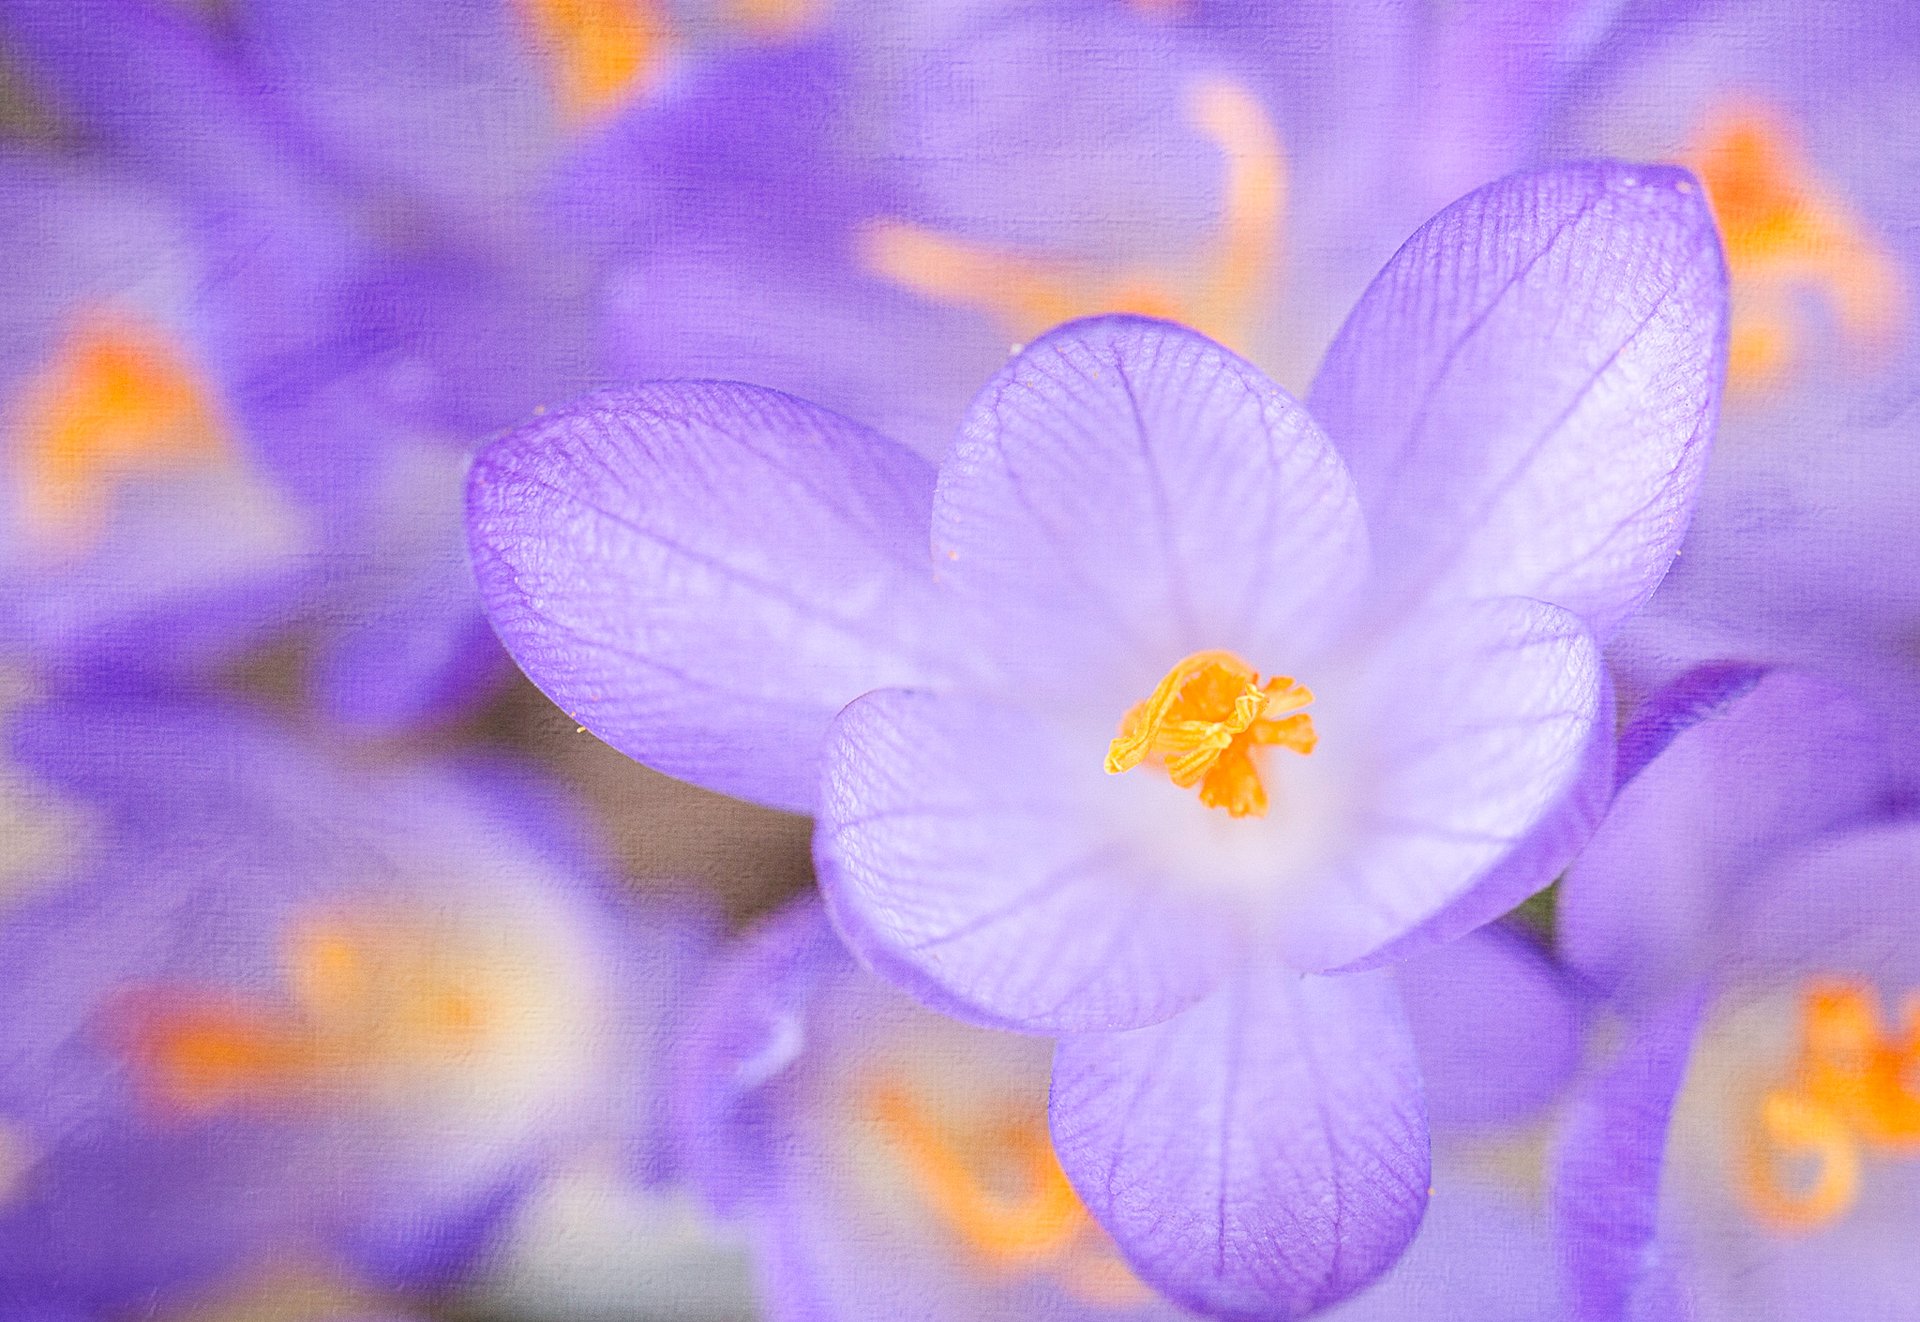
{"points": [[1670, 878], [195, 880], [1260, 1156], [1176, 498], [800, 1071], [1525, 394], [1844, 901], [1607, 1173], [1497, 1024], [976, 854], [703, 574], [1533, 864], [1441, 751]]}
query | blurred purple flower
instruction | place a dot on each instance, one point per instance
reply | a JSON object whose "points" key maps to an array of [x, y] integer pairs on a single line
{"points": [[1134, 529], [387, 297], [1800, 121], [270, 1007], [1749, 903], [869, 216], [141, 531], [889, 1161]]}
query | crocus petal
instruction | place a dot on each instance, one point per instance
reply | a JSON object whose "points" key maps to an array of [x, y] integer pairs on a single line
{"points": [[961, 852], [1668, 879], [1607, 1170], [1842, 901], [1470, 728], [452, 104], [1524, 395], [703, 574], [1497, 1026], [1533, 864], [1180, 500], [1262, 1155]]}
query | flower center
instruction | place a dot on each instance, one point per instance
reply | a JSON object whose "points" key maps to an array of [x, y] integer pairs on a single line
{"points": [[117, 399], [1850, 1088], [598, 52], [1203, 723], [1785, 235], [369, 997], [1027, 294], [999, 1190]]}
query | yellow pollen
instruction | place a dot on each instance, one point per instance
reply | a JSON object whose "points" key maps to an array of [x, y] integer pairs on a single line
{"points": [[117, 399], [1850, 1088], [598, 52], [1785, 235], [1029, 1220], [1202, 724], [1027, 294], [366, 998]]}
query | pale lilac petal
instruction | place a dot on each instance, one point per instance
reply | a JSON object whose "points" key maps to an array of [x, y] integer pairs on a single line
{"points": [[1498, 1027], [1607, 1172], [973, 853], [1450, 743], [704, 573], [1260, 1156], [1161, 487], [1524, 395], [1750, 768], [1849, 900], [1533, 864]]}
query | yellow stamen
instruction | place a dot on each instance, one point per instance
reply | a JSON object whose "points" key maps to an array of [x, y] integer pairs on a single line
{"points": [[1784, 235], [1204, 720], [1038, 1224], [366, 999], [117, 399], [599, 53], [1027, 294], [1850, 1088]]}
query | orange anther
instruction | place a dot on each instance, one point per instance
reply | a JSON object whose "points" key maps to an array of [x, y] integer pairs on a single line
{"points": [[598, 52], [1027, 293], [1785, 234], [116, 399], [1203, 722], [1851, 1087], [999, 1191]]}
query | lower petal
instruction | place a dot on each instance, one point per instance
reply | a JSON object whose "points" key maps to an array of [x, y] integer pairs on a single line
{"points": [[1262, 1155], [1607, 1171]]}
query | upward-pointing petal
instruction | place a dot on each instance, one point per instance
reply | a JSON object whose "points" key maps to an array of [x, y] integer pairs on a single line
{"points": [[1525, 394], [1127, 492], [704, 573]]}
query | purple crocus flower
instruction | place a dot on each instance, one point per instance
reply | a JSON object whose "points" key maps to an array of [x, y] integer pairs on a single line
{"points": [[890, 1161], [1747, 1152], [868, 217], [140, 530], [1190, 704], [1798, 120], [376, 315], [267, 1006]]}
